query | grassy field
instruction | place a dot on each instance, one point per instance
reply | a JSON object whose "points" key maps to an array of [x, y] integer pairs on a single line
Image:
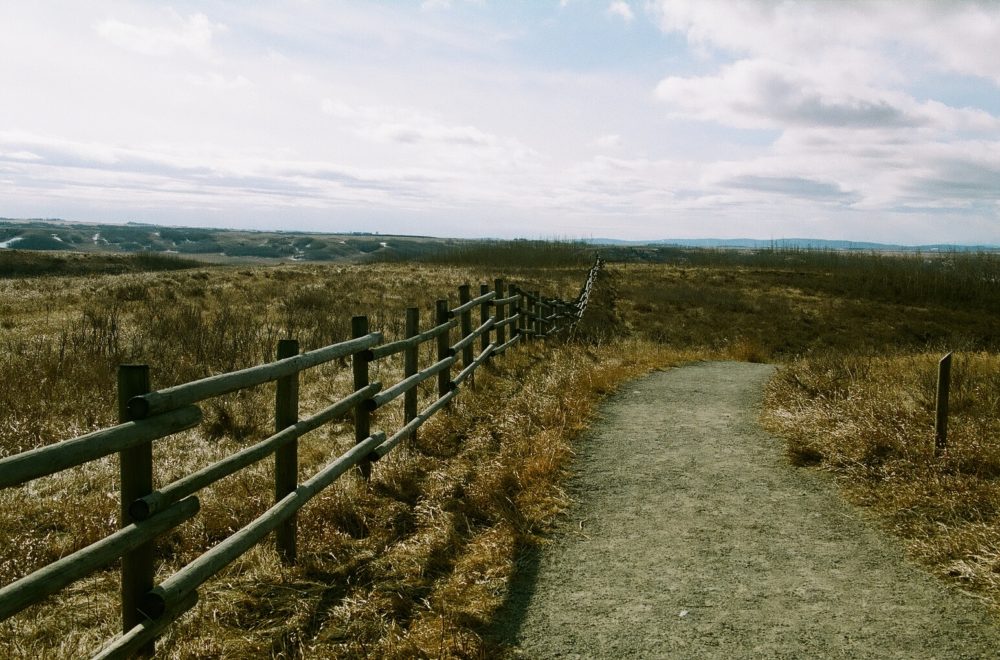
{"points": [[416, 564]]}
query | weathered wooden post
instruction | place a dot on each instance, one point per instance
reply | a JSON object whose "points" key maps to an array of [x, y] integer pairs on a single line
{"points": [[410, 357], [943, 390], [465, 325], [521, 313], [443, 346], [359, 366], [501, 312], [536, 313], [136, 474], [286, 459], [484, 316]]}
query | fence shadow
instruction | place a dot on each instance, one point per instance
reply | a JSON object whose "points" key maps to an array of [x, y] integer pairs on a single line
{"points": [[505, 630]]}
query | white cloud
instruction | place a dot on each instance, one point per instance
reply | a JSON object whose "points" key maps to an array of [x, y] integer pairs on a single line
{"points": [[19, 155], [962, 36], [761, 93], [176, 33], [431, 5], [834, 79], [410, 127], [622, 10], [607, 141], [216, 80]]}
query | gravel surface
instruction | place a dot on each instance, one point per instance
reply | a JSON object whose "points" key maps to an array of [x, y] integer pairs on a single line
{"points": [[692, 537]]}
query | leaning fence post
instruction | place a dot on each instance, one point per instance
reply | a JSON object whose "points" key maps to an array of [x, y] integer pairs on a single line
{"points": [[359, 367], [136, 474], [444, 347], [500, 310], [410, 356], [286, 459], [941, 422]]}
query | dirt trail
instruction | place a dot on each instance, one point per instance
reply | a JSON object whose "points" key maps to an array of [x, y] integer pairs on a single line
{"points": [[691, 537]]}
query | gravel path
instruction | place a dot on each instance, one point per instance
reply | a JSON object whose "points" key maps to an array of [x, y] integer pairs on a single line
{"points": [[692, 537]]}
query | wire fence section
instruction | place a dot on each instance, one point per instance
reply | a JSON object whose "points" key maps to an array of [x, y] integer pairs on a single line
{"points": [[506, 316]]}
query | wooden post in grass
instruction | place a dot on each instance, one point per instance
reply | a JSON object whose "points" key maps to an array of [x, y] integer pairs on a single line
{"points": [[501, 312], [536, 312], [465, 324], [136, 474], [444, 347], [410, 359], [520, 326], [286, 459], [941, 422], [359, 367], [484, 316]]}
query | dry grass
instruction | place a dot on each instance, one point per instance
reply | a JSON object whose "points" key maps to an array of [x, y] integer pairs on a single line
{"points": [[870, 420], [413, 564]]}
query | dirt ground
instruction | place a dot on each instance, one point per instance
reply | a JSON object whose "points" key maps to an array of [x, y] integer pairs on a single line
{"points": [[692, 537]]}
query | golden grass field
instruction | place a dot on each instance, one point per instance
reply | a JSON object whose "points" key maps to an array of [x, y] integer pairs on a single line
{"points": [[416, 563]]}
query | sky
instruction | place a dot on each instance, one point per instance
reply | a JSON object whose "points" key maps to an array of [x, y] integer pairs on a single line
{"points": [[567, 119]]}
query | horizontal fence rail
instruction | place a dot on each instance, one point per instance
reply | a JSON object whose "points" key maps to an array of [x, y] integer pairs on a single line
{"points": [[507, 315]]}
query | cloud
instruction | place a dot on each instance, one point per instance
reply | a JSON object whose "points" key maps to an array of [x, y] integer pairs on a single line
{"points": [[217, 80], [793, 186], [961, 36], [191, 34], [608, 141], [765, 94], [19, 155], [622, 10], [411, 127], [431, 5], [956, 176]]}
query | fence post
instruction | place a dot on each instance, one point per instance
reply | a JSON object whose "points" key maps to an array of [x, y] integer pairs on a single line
{"points": [[484, 316], [410, 358], [536, 322], [501, 313], [444, 347], [522, 311], [943, 388], [359, 366], [286, 459], [136, 474], [464, 296]]}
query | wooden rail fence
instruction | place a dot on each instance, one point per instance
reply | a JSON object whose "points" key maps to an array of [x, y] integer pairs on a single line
{"points": [[507, 315]]}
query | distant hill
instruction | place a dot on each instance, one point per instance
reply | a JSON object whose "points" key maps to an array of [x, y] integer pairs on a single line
{"points": [[792, 244], [227, 245], [209, 244]]}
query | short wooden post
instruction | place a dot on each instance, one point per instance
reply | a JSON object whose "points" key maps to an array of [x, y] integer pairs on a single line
{"points": [[484, 316], [443, 346], [286, 459], [943, 389], [359, 367], [501, 312], [136, 474], [410, 360]]}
